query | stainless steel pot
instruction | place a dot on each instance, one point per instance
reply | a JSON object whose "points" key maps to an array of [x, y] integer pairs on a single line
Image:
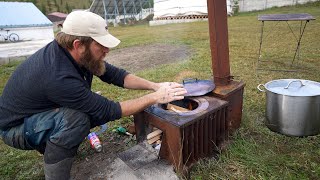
{"points": [[293, 106]]}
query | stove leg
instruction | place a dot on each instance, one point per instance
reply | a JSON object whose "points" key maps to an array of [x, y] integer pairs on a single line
{"points": [[140, 126]]}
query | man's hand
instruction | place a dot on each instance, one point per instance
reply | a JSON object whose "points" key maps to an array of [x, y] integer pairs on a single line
{"points": [[134, 82], [164, 93], [158, 85], [170, 91]]}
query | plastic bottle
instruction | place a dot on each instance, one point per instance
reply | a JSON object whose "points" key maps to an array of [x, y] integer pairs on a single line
{"points": [[103, 128], [123, 130], [95, 142]]}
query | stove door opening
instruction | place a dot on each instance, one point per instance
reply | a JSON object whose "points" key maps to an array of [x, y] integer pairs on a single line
{"points": [[184, 105]]}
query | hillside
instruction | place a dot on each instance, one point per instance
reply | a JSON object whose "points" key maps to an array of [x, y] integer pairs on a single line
{"points": [[49, 6]]}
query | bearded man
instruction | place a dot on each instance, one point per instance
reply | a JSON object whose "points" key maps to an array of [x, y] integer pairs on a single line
{"points": [[47, 104]]}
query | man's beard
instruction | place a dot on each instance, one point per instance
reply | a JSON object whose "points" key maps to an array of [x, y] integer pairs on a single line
{"points": [[95, 66]]}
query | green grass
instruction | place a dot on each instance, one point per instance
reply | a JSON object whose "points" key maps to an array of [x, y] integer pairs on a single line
{"points": [[254, 151]]}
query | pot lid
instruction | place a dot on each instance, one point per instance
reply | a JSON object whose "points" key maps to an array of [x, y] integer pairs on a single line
{"points": [[294, 87], [197, 87]]}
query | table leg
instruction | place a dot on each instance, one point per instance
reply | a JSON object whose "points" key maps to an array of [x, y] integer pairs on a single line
{"points": [[261, 38], [299, 42]]}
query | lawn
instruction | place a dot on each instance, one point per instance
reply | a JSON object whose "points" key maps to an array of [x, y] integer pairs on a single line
{"points": [[254, 151]]}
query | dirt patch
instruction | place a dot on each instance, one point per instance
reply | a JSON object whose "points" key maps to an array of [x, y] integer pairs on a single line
{"points": [[138, 58], [184, 75], [92, 165]]}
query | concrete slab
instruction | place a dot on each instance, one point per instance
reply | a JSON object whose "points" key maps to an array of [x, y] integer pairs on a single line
{"points": [[144, 162], [137, 157], [140, 162], [157, 169], [120, 170], [20, 50]]}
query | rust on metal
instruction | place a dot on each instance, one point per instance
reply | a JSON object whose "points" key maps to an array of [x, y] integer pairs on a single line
{"points": [[187, 138], [226, 88], [231, 88], [218, 30], [233, 93], [185, 143]]}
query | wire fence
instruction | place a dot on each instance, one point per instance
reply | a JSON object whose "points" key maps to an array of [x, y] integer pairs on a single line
{"points": [[251, 5]]}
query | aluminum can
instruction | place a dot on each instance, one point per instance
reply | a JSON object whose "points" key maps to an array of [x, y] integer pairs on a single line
{"points": [[95, 142]]}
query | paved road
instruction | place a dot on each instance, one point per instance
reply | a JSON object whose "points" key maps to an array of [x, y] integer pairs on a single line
{"points": [[19, 50]]}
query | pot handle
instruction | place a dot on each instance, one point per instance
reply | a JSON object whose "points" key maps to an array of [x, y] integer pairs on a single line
{"points": [[260, 88], [294, 81], [189, 80]]}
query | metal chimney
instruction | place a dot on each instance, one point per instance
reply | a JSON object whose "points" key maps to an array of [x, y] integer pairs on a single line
{"points": [[226, 88]]}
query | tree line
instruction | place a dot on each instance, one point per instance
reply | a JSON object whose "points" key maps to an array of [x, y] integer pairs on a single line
{"points": [[49, 6]]}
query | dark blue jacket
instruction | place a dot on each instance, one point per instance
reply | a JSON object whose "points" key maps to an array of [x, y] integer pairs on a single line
{"points": [[51, 78]]}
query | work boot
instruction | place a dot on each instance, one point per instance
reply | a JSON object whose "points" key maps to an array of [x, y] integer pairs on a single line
{"points": [[58, 171], [58, 161]]}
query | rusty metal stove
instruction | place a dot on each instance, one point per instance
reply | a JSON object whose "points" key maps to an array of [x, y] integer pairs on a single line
{"points": [[187, 136]]}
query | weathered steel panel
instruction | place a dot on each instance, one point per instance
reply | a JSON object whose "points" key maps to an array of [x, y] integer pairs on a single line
{"points": [[184, 144]]}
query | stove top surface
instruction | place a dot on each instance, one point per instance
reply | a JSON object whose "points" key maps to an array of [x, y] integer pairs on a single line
{"points": [[206, 104]]}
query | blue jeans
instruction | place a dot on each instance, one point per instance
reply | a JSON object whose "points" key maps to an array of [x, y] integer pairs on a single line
{"points": [[63, 127]]}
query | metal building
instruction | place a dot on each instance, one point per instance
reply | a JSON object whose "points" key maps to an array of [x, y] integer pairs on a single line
{"points": [[25, 20], [123, 11]]}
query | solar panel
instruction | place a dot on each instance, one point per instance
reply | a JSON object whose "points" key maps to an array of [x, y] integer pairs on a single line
{"points": [[110, 9]]}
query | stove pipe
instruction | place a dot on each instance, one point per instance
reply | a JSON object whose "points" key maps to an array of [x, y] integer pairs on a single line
{"points": [[226, 88], [218, 30]]}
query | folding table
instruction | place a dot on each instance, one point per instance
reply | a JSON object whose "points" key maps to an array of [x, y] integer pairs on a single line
{"points": [[304, 17]]}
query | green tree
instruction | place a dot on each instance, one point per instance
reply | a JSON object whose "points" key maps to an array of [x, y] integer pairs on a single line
{"points": [[147, 4], [43, 9], [56, 3], [68, 8], [49, 6], [34, 2]]}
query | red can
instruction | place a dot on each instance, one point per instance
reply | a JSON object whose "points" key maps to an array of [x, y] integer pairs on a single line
{"points": [[95, 142]]}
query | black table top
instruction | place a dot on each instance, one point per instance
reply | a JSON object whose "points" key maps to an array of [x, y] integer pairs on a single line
{"points": [[286, 17]]}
